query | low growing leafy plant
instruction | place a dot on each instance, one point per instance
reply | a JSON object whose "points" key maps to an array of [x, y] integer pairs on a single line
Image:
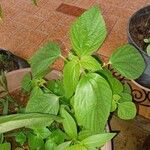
{"points": [[72, 112]]}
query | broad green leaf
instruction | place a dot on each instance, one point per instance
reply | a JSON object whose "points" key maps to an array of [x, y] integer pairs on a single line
{"points": [[83, 134], [115, 84], [63, 146], [126, 88], [98, 140], [69, 124], [128, 61], [88, 32], [50, 145], [126, 110], [92, 102], [113, 106], [42, 132], [40, 102], [90, 63], [15, 121], [58, 136], [20, 138], [1, 138], [71, 76], [125, 97], [77, 147], [26, 82], [43, 58], [148, 50], [56, 86], [5, 146], [115, 100], [35, 142]]}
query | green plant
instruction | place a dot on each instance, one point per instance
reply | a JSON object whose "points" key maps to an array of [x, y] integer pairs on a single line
{"points": [[72, 112], [148, 47]]}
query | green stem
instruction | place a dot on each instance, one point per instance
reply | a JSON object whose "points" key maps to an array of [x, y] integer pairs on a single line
{"points": [[105, 64], [63, 58]]}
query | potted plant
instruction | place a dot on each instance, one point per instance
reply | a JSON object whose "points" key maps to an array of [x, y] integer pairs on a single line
{"points": [[138, 35], [71, 111]]}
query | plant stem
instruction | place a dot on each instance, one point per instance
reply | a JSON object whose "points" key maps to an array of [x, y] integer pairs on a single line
{"points": [[63, 58], [105, 64]]}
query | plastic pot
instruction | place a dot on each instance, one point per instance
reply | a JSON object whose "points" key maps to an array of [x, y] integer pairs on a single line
{"points": [[14, 79], [18, 62], [144, 79]]}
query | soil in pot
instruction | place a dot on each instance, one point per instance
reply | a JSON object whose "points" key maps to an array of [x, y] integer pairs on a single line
{"points": [[7, 63], [140, 30], [10, 62]]}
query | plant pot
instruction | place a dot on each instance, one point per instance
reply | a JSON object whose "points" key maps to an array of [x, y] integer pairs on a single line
{"points": [[14, 79], [14, 62], [138, 30]]}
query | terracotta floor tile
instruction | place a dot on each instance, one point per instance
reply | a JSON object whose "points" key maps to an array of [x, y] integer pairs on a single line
{"points": [[46, 27], [43, 13], [7, 4], [117, 11], [28, 21], [136, 4], [3, 37], [49, 24], [118, 3], [27, 6], [84, 3], [60, 32], [10, 12], [67, 20], [70, 10], [110, 21], [69, 1], [52, 5], [26, 50]]}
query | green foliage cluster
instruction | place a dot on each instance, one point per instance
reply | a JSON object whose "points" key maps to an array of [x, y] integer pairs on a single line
{"points": [[71, 113]]}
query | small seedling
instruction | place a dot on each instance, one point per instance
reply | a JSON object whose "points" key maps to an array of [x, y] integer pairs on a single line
{"points": [[148, 47]]}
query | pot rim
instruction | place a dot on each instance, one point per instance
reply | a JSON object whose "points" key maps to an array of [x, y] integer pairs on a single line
{"points": [[128, 27], [140, 86]]}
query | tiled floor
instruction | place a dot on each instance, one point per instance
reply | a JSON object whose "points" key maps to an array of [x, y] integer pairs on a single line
{"points": [[26, 27]]}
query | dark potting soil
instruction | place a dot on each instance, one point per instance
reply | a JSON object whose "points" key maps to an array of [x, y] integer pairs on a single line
{"points": [[19, 98], [140, 30], [7, 63]]}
